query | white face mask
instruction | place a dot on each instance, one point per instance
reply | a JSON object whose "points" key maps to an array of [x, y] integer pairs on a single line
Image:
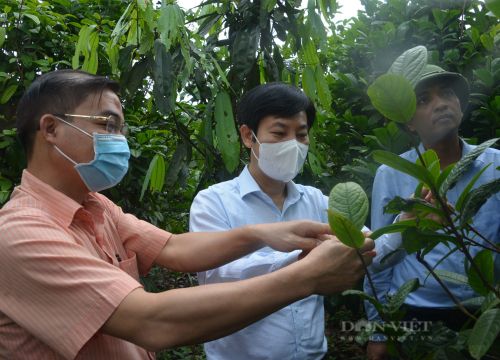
{"points": [[282, 160]]}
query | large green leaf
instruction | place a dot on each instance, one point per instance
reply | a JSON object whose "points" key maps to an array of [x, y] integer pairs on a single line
{"points": [[410, 64], [393, 96], [154, 176], [227, 138], [405, 166], [464, 164], [350, 200], [400, 226], [484, 333], [309, 83], [164, 79], [244, 50], [476, 198], [484, 262], [493, 6], [395, 301], [345, 230], [170, 22], [415, 239]]}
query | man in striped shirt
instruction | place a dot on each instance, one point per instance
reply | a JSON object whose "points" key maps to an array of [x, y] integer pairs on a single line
{"points": [[70, 259]]}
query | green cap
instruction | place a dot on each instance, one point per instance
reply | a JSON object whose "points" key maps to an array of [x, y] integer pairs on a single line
{"points": [[458, 83]]}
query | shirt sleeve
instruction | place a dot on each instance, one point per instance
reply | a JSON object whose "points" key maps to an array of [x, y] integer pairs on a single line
{"points": [[208, 214], [53, 287]]}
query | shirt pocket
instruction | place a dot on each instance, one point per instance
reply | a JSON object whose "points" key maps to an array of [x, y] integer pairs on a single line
{"points": [[129, 265]]}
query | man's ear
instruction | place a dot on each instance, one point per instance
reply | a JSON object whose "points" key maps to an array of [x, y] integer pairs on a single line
{"points": [[246, 136], [48, 127]]}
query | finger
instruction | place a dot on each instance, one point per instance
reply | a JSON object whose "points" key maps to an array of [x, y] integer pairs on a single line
{"points": [[367, 233], [368, 257], [307, 244], [313, 228], [367, 246]]}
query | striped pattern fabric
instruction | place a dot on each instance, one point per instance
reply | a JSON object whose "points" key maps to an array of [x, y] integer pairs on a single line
{"points": [[64, 268]]}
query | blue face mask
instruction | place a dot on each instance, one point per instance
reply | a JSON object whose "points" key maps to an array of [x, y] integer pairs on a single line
{"points": [[110, 162]]}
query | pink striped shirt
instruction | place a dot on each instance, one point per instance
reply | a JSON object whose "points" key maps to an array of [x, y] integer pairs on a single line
{"points": [[64, 268]]}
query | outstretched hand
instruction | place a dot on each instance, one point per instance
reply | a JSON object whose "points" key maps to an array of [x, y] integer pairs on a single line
{"points": [[292, 235]]}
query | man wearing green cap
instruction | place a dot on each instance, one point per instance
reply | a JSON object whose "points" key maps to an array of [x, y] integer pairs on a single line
{"points": [[441, 99]]}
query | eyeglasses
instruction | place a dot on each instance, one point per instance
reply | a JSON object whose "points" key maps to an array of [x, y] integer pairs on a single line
{"points": [[113, 123]]}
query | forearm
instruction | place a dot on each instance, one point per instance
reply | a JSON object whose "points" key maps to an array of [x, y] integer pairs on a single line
{"points": [[203, 313], [200, 251]]}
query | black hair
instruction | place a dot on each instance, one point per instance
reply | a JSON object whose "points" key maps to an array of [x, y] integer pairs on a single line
{"points": [[273, 99], [56, 92]]}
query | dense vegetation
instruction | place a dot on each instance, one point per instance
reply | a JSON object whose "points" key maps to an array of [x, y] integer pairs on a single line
{"points": [[182, 71]]}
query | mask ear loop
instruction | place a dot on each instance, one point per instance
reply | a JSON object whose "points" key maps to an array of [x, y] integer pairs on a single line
{"points": [[258, 142]]}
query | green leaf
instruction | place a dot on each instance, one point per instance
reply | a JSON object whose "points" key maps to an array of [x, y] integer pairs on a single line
{"points": [[415, 239], [464, 164], [349, 200], [403, 165], [484, 333], [3, 35], [452, 277], [7, 94], [444, 175], [365, 296], [268, 5], [164, 79], [484, 262], [415, 205], [345, 230], [493, 6], [309, 83], [431, 163], [176, 163], [476, 198], [147, 179], [393, 96], [227, 138], [394, 302], [244, 50], [170, 22], [324, 93], [32, 17], [490, 301], [410, 64], [467, 189], [157, 175]]}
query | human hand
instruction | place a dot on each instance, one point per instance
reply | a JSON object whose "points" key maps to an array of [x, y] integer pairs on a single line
{"points": [[427, 196], [292, 235], [336, 267], [376, 351]]}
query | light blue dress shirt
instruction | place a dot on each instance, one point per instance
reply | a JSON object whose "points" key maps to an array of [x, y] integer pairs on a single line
{"points": [[389, 183], [294, 332]]}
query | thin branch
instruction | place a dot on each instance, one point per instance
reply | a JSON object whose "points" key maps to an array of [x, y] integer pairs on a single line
{"points": [[445, 288]]}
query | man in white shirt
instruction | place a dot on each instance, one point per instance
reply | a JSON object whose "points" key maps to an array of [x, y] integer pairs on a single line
{"points": [[274, 120]]}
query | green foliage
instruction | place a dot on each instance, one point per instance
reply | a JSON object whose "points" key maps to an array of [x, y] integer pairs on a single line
{"points": [[394, 97], [484, 333], [349, 200], [347, 212]]}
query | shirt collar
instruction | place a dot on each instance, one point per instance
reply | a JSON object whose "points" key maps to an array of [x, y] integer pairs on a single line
{"points": [[466, 148], [247, 185], [57, 204]]}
